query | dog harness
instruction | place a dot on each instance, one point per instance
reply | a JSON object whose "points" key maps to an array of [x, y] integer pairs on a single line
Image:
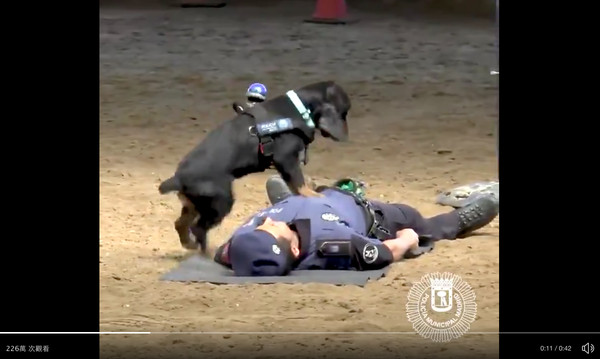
{"points": [[265, 130], [304, 112]]}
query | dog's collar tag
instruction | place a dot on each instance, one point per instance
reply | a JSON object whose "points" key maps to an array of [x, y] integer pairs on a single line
{"points": [[304, 112]]}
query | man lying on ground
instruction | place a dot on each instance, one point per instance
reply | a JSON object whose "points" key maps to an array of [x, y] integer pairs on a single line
{"points": [[342, 230]]}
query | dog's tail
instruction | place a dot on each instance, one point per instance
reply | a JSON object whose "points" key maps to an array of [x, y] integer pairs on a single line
{"points": [[170, 185]]}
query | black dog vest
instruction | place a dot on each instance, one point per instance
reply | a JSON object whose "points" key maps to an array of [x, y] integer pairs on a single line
{"points": [[268, 126]]}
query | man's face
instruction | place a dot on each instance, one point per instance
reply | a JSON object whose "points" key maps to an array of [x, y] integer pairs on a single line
{"points": [[282, 232]]}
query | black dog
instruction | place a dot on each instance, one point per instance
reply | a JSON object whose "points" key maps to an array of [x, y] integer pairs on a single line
{"points": [[272, 133]]}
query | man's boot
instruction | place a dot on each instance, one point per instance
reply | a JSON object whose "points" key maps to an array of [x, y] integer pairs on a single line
{"points": [[476, 215]]}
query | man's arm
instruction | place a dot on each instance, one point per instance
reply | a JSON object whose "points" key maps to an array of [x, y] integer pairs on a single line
{"points": [[373, 255], [405, 240]]}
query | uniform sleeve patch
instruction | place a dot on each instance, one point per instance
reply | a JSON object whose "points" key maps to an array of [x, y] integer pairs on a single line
{"points": [[370, 253]]}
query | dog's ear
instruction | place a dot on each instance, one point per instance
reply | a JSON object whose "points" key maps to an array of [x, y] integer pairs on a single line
{"points": [[333, 111], [331, 92], [332, 124], [335, 95]]}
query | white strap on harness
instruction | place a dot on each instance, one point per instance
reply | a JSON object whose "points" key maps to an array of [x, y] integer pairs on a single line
{"points": [[304, 112]]}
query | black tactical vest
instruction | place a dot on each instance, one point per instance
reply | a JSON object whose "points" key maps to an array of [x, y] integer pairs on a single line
{"points": [[268, 124]]}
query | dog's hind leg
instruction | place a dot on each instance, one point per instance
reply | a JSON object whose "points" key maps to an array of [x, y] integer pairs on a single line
{"points": [[185, 221], [212, 211]]}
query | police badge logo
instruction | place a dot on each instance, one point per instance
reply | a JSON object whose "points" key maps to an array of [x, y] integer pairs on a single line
{"points": [[284, 124], [441, 294], [441, 307]]}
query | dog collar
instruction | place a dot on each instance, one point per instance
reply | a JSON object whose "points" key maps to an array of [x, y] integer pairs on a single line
{"points": [[304, 112]]}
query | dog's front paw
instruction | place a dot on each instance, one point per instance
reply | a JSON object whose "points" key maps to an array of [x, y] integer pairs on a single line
{"points": [[309, 192], [311, 182]]}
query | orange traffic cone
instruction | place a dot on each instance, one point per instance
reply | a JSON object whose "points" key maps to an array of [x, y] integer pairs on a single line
{"points": [[330, 12], [201, 3]]}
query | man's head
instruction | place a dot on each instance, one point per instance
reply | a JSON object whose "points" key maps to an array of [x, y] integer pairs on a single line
{"points": [[270, 250]]}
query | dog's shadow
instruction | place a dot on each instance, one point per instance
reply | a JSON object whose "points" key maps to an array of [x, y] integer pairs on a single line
{"points": [[183, 256]]}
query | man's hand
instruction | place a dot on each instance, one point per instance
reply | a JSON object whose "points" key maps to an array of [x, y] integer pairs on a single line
{"points": [[409, 237], [405, 240]]}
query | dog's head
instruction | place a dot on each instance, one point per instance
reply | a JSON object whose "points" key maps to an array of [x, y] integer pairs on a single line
{"points": [[330, 105], [333, 115]]}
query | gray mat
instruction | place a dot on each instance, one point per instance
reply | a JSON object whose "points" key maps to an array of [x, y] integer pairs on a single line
{"points": [[464, 195], [201, 269]]}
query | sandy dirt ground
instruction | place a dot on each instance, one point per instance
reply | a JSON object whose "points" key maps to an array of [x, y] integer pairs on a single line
{"points": [[423, 120]]}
